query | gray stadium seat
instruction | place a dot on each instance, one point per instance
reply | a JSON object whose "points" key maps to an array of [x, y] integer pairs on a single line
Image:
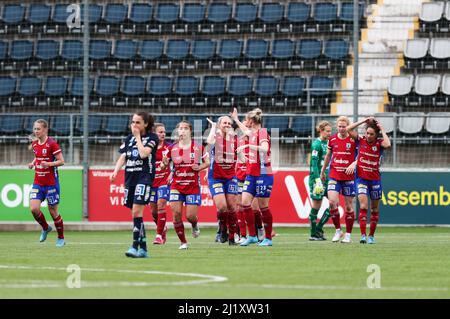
{"points": [[432, 11], [438, 122], [411, 122], [427, 84], [400, 85], [440, 48], [445, 86], [387, 120], [416, 48]]}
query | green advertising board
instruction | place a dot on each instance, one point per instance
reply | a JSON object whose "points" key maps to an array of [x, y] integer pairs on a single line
{"points": [[15, 185], [415, 198]]}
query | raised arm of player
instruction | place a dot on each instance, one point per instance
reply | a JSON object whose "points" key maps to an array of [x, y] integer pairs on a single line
{"points": [[211, 140], [235, 117], [386, 141], [351, 128], [120, 162], [326, 161], [144, 151]]}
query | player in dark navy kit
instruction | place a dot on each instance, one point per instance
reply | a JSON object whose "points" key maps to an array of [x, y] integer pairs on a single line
{"points": [[368, 180], [138, 154], [48, 157], [221, 175]]}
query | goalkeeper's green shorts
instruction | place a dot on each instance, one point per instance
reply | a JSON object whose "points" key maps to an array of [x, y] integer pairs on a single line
{"points": [[320, 196]]}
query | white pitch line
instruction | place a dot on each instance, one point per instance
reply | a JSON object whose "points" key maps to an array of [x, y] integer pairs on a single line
{"points": [[204, 279]]}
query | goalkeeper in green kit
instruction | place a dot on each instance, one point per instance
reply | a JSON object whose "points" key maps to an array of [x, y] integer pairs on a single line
{"points": [[317, 187]]}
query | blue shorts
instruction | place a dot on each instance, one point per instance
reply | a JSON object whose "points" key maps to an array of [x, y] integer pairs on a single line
{"points": [[258, 186], [240, 186], [368, 187], [223, 186], [139, 195], [346, 188], [191, 199], [157, 193], [49, 193]]}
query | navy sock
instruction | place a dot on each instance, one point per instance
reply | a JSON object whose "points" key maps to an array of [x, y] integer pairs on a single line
{"points": [[142, 237], [137, 222]]}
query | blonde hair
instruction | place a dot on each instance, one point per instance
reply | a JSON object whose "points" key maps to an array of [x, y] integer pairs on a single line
{"points": [[255, 115], [343, 118], [43, 122], [321, 126], [220, 119], [185, 122], [156, 125]]}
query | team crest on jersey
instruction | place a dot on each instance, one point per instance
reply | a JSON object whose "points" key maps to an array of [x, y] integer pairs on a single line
{"points": [[135, 153], [348, 145], [374, 148], [44, 151]]}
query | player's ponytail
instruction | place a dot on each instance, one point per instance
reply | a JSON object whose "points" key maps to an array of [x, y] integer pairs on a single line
{"points": [[255, 115]]}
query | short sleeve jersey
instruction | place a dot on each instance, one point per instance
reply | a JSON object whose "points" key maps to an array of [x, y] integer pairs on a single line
{"points": [[161, 175], [185, 179], [344, 153], [138, 170], [45, 152], [259, 162], [369, 157], [318, 151], [223, 157]]}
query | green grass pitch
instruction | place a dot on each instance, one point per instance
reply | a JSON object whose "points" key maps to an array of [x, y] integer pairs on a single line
{"points": [[413, 263]]}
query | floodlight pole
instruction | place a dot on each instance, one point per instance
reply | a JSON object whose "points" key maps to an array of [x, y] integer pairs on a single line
{"points": [[355, 58], [85, 14]]}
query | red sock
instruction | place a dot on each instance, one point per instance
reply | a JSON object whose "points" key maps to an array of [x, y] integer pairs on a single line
{"points": [[241, 223], [349, 220], [179, 229], [373, 222], [40, 218], [258, 218], [232, 224], [59, 226], [335, 218], [161, 223], [250, 219], [223, 216], [268, 221], [363, 221]]}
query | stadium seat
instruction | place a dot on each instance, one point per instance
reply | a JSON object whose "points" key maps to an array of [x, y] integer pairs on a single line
{"points": [[115, 13], [60, 125], [72, 50], [95, 13], [176, 52], [55, 87], [437, 122], [256, 54], [7, 89], [29, 122], [337, 54], [440, 53], [125, 53], [203, 51], [302, 125], [399, 89], [3, 53], [21, 50], [38, 16], [266, 89], [297, 16], [140, 18], [244, 16], [151, 52], [271, 14], [213, 85], [239, 87], [321, 90], [219, 14], [75, 96], [159, 89], [99, 52], [192, 17], [325, 15], [411, 122], [11, 124], [426, 86], [415, 53], [229, 51], [95, 124], [292, 91], [170, 122], [133, 88], [282, 54], [199, 123], [445, 89], [167, 15], [116, 124], [29, 86], [106, 90], [346, 15], [186, 87], [387, 120], [430, 16], [47, 51], [276, 122], [309, 52], [58, 24], [13, 15]]}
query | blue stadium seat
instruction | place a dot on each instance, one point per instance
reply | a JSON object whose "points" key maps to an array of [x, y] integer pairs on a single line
{"points": [[60, 125], [213, 85], [302, 125], [39, 13], [133, 85], [186, 85], [141, 12], [117, 124], [193, 13], [292, 91], [347, 12], [21, 50], [266, 90], [55, 86], [309, 52], [99, 49], [160, 85], [125, 49], [72, 50], [29, 86], [197, 119], [29, 122], [7, 89], [11, 124], [257, 49], [95, 13], [107, 85], [219, 12], [13, 14], [60, 13], [283, 49], [230, 51], [245, 12], [167, 15], [47, 50], [115, 13], [76, 86], [321, 90], [298, 12], [170, 122], [95, 124], [3, 51], [337, 52], [239, 88], [276, 122], [177, 49], [325, 17], [152, 50], [270, 15], [202, 51]]}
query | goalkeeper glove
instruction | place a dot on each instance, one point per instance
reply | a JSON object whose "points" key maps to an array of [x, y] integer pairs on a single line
{"points": [[318, 187]]}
